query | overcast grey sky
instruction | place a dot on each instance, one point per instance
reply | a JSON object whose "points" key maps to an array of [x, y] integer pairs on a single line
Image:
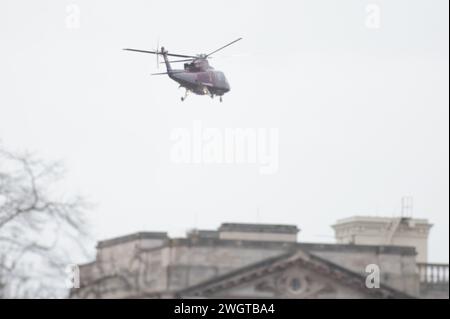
{"points": [[362, 113]]}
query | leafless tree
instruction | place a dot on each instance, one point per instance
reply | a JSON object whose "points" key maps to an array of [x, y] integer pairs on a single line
{"points": [[42, 230]]}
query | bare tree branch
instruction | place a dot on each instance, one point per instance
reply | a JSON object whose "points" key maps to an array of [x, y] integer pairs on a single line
{"points": [[38, 226]]}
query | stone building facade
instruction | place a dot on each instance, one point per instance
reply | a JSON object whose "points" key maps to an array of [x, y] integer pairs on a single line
{"points": [[254, 261]]}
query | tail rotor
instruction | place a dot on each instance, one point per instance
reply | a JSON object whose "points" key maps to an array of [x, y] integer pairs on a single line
{"points": [[157, 54]]}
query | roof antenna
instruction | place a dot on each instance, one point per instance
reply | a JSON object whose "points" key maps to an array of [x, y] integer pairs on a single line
{"points": [[407, 206]]}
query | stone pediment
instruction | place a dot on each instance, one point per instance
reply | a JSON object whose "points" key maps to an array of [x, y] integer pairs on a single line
{"points": [[295, 275]]}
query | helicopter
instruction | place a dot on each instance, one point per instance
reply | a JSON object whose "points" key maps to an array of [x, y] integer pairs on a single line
{"points": [[198, 76]]}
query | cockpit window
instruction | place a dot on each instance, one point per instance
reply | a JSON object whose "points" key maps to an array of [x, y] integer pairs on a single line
{"points": [[220, 76], [221, 79]]}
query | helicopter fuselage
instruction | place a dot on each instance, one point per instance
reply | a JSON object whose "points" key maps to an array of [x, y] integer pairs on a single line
{"points": [[204, 82]]}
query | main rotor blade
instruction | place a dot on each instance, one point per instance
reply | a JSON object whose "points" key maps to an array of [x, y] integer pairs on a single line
{"points": [[224, 47], [176, 61], [171, 72], [155, 52]]}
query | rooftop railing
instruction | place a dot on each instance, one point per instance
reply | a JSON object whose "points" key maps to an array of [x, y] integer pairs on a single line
{"points": [[433, 273]]}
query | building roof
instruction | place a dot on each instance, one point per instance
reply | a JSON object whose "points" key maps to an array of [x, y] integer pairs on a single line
{"points": [[210, 238], [259, 228], [377, 219], [132, 237]]}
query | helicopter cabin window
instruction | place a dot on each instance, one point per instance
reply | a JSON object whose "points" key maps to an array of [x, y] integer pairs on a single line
{"points": [[189, 67]]}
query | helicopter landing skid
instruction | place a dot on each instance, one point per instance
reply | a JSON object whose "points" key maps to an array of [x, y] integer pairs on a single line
{"points": [[220, 97], [206, 91], [185, 95]]}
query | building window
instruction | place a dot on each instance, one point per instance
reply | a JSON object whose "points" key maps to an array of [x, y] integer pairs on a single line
{"points": [[295, 285]]}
